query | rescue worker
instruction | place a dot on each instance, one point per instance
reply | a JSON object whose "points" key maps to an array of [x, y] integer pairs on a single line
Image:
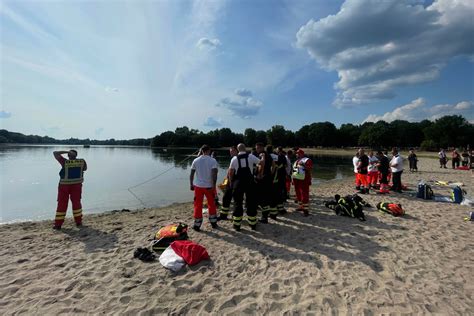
{"points": [[70, 186], [274, 193], [355, 162], [383, 167], [243, 183], [302, 180], [227, 198], [205, 169], [289, 156], [280, 180], [373, 173], [264, 181], [362, 171]]}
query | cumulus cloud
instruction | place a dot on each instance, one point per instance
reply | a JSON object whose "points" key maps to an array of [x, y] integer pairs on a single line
{"points": [[5, 114], [240, 105], [110, 89], [244, 92], [377, 46], [207, 43], [417, 110], [213, 122]]}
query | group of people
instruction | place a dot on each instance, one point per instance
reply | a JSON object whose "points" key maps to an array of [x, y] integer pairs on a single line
{"points": [[373, 171], [260, 178], [465, 158]]}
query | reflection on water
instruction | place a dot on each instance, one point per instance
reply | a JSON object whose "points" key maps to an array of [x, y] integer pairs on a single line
{"points": [[29, 178]]}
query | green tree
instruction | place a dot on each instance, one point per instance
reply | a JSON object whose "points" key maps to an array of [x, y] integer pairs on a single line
{"points": [[250, 136], [276, 136]]}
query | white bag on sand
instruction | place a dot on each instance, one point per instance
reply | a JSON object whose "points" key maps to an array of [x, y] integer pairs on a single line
{"points": [[170, 260]]}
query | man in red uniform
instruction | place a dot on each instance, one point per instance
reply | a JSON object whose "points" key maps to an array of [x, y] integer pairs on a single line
{"points": [[302, 180], [70, 186]]}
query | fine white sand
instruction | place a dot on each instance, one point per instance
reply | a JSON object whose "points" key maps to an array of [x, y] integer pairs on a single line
{"points": [[323, 264]]}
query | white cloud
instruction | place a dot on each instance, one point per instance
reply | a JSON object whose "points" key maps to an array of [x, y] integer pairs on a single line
{"points": [[417, 111], [213, 122], [5, 114], [377, 46], [110, 89], [241, 106], [206, 43]]}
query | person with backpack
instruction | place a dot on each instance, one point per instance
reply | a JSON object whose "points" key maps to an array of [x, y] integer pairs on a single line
{"points": [[70, 186], [203, 179], [264, 179], [302, 180], [362, 171], [243, 184]]}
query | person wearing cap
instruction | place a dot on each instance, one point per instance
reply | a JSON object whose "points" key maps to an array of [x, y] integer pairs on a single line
{"points": [[203, 179], [302, 180], [70, 186]]}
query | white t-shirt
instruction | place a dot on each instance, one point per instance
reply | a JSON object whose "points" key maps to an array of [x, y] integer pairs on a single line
{"points": [[355, 161], [288, 166], [234, 164], [396, 160], [203, 166], [373, 164]]}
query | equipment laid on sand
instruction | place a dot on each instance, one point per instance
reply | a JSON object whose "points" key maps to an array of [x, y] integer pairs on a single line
{"points": [[470, 217], [424, 191], [166, 235], [457, 195], [144, 254], [350, 205], [182, 252], [391, 208]]}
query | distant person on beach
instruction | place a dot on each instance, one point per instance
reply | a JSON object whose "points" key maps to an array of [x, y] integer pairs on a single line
{"points": [[355, 163], [302, 180], [289, 156], [373, 174], [70, 186], [443, 159], [362, 171], [203, 180], [396, 165], [243, 184], [413, 160], [227, 198], [455, 158], [383, 167], [465, 158]]}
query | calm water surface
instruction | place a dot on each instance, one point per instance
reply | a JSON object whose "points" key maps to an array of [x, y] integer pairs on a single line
{"points": [[29, 178]]}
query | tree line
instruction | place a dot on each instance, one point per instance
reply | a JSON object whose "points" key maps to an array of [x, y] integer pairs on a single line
{"points": [[447, 131]]}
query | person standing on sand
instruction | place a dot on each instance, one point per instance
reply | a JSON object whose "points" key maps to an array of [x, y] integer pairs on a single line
{"points": [[373, 174], [355, 163], [455, 158], [383, 166], [396, 165], [413, 160], [362, 171], [203, 179], [243, 183], [302, 180], [227, 198], [443, 160], [70, 186]]}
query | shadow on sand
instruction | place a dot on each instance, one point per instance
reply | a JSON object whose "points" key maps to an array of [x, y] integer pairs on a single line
{"points": [[94, 240]]}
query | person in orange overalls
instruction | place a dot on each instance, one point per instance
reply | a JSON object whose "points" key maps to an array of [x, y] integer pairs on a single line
{"points": [[70, 186], [302, 180]]}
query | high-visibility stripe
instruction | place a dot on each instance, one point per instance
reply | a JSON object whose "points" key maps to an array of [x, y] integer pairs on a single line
{"points": [[237, 218], [60, 217], [252, 220], [77, 211], [60, 213]]}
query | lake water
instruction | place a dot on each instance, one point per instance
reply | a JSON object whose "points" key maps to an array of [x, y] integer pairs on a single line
{"points": [[29, 178]]}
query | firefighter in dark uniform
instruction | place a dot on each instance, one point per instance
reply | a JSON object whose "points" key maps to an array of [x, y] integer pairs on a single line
{"points": [[227, 198], [243, 184], [265, 181]]}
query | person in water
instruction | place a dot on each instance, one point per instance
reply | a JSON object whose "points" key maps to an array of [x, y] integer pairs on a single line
{"points": [[70, 186]]}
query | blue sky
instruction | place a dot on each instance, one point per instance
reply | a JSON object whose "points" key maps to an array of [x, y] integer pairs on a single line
{"points": [[126, 69]]}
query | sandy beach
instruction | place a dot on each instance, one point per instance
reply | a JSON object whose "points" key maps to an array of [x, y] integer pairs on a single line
{"points": [[323, 264]]}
